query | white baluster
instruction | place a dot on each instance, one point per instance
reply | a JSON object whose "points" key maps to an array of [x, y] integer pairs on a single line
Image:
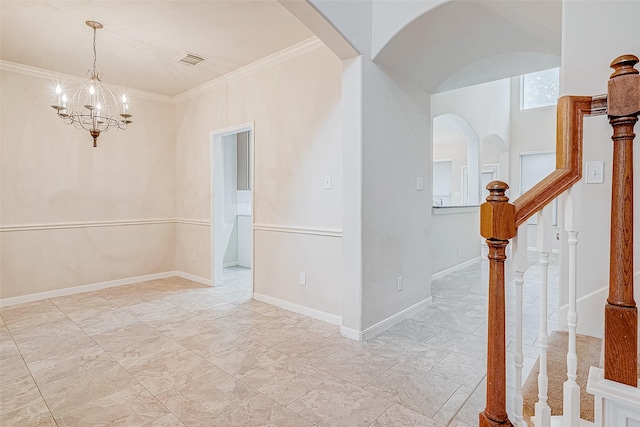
{"points": [[520, 260], [571, 390], [542, 410]]}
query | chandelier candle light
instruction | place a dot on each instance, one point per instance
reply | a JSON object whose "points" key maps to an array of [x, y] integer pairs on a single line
{"points": [[92, 107]]}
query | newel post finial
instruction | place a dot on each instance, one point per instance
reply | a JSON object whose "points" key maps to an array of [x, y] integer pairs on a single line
{"points": [[624, 64], [497, 215], [623, 97]]}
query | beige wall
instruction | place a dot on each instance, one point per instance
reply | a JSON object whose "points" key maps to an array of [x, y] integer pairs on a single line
{"points": [[295, 107], [53, 182]]}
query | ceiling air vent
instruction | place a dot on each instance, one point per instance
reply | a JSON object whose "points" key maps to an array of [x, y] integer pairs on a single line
{"points": [[189, 58]]}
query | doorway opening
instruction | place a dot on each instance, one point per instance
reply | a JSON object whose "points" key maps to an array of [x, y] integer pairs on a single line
{"points": [[232, 209]]}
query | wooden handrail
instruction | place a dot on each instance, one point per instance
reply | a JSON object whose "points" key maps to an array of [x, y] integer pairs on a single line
{"points": [[499, 220], [571, 112]]}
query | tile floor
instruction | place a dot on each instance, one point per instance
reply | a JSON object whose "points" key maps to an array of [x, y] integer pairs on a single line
{"points": [[172, 352]]}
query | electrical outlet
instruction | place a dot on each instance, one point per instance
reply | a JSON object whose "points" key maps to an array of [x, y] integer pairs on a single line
{"points": [[194, 255], [399, 283], [419, 184], [458, 248], [302, 279]]}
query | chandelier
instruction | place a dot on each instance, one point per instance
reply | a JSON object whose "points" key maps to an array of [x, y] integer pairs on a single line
{"points": [[93, 107]]}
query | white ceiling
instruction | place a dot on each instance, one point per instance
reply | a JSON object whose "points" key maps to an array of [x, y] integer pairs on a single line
{"points": [[141, 39]]}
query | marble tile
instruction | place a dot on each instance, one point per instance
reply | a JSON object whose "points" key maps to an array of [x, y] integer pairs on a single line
{"points": [[166, 372], [414, 329], [257, 306], [37, 415], [473, 406], [246, 358], [123, 296], [404, 350], [213, 341], [62, 365], [453, 405], [206, 397], [355, 365], [12, 368], [106, 321], [133, 406], [399, 416], [187, 325], [419, 391], [281, 314], [259, 411], [319, 327], [462, 323], [286, 380], [79, 307], [243, 319], [140, 353], [168, 420], [125, 336], [216, 311], [25, 333], [54, 345], [457, 423], [192, 300], [8, 350], [20, 393], [309, 347], [273, 333], [31, 313], [4, 334], [460, 342], [339, 403], [82, 387], [167, 317], [148, 307]]}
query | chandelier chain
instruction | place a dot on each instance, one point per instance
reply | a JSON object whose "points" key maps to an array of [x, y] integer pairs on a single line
{"points": [[94, 51]]}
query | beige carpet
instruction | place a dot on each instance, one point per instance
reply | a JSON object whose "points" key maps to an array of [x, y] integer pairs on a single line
{"points": [[588, 349]]}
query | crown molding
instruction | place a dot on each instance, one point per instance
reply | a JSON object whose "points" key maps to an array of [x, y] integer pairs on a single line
{"points": [[48, 74], [276, 58]]}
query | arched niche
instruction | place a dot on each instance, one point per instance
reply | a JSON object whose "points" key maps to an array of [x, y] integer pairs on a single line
{"points": [[456, 143]]}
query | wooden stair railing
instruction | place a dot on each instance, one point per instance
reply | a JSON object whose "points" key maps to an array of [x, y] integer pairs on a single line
{"points": [[500, 219]]}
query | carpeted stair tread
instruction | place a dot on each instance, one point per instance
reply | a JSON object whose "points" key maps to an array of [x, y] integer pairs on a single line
{"points": [[588, 349]]}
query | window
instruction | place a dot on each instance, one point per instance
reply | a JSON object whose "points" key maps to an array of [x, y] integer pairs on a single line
{"points": [[539, 89]]}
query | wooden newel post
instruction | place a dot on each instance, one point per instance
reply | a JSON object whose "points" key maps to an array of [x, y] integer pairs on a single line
{"points": [[497, 225], [621, 313]]}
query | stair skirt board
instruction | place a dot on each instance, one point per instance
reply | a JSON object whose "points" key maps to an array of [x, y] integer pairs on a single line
{"points": [[589, 350]]}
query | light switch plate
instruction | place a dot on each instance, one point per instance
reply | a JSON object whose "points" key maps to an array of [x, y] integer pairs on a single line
{"points": [[327, 181], [419, 184], [594, 173]]}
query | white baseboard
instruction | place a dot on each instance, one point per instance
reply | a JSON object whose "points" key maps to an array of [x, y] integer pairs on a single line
{"points": [[230, 264], [193, 278], [311, 312], [385, 324], [6, 302], [441, 274]]}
